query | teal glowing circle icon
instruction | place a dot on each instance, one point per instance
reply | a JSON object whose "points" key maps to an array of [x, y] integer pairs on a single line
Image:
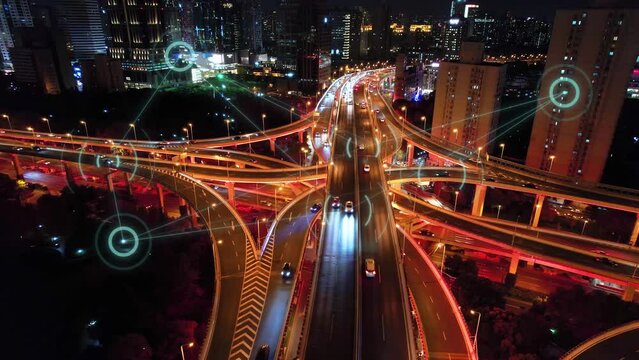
{"points": [[179, 56], [127, 242], [123, 241], [564, 88]]}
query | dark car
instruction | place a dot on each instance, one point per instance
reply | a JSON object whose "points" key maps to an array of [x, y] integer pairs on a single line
{"points": [[489, 179], [606, 261], [425, 232], [287, 271], [36, 148], [263, 352], [442, 174], [335, 202], [315, 208], [529, 185]]}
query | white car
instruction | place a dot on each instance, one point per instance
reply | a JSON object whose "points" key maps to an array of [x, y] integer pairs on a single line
{"points": [[348, 207], [361, 146], [369, 268], [367, 168]]}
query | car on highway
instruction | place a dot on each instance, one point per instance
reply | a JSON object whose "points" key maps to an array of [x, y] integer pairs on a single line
{"points": [[376, 111], [335, 202], [606, 261], [369, 268], [287, 270], [442, 174], [361, 147], [316, 207], [426, 232], [600, 252], [263, 353], [367, 168], [362, 105], [348, 207], [529, 185], [36, 148], [327, 144]]}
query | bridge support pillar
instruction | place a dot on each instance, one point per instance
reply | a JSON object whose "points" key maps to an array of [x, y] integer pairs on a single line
{"points": [[411, 154], [127, 183], [629, 292], [17, 166], [478, 200], [539, 204], [192, 159], [160, 197], [511, 277], [230, 188], [635, 232], [109, 180], [300, 136], [193, 216], [271, 142]]}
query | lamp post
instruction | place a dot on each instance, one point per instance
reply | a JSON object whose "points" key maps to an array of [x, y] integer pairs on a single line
{"points": [[228, 129], [186, 131], [583, 228], [442, 245], [70, 136], [304, 151], [32, 132], [291, 114], [498, 210], [479, 153], [46, 120], [423, 119], [455, 131], [86, 130], [405, 110], [456, 195], [258, 229], [308, 103], [8, 119], [552, 160], [532, 218], [276, 189], [192, 134], [263, 127], [473, 312], [502, 146], [189, 345], [135, 134]]}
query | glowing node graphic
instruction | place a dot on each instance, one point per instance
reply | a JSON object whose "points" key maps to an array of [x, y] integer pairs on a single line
{"points": [[179, 56], [568, 92], [559, 98], [123, 242]]}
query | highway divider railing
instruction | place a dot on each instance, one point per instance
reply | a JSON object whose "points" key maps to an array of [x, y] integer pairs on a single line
{"points": [[456, 309], [469, 154], [422, 347], [599, 338]]}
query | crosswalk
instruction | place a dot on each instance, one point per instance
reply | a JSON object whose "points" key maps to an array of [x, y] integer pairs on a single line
{"points": [[252, 299]]}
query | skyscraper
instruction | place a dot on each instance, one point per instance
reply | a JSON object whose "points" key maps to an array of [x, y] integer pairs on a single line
{"points": [[590, 59], [454, 32], [80, 21], [252, 26], [346, 27], [468, 93], [14, 14]]}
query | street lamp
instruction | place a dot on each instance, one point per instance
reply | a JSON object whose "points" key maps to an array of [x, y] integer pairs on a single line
{"points": [[442, 245], [473, 312], [46, 120], [276, 189], [32, 132], [498, 210], [186, 131], [423, 119], [455, 131], [192, 134], [263, 126], [258, 229], [228, 129], [456, 195], [70, 136], [305, 151], [86, 131], [405, 110], [8, 119], [552, 160], [291, 113], [135, 134], [502, 146], [584, 227], [479, 153], [308, 103], [189, 345]]}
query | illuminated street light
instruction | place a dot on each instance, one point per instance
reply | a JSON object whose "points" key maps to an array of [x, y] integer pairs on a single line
{"points": [[189, 345], [32, 132], [291, 113], [308, 103], [498, 210], [455, 131], [70, 136], [423, 119], [473, 312], [263, 126], [502, 146], [192, 134], [8, 119], [86, 130], [479, 153], [456, 195], [135, 134], [186, 131], [228, 124], [552, 160], [583, 228], [46, 120]]}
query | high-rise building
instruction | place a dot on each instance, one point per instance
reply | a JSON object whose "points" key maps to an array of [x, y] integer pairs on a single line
{"points": [[6, 41], [346, 27], [454, 33], [380, 38], [590, 59], [228, 15], [468, 94], [138, 29], [14, 14], [457, 7], [81, 23], [252, 26], [204, 25]]}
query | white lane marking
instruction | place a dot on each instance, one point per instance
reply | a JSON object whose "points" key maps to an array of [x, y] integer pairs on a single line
{"points": [[431, 299], [438, 318], [330, 333], [423, 283], [444, 333], [383, 330], [380, 274]]}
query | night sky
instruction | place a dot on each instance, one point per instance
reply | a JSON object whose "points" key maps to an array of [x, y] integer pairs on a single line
{"points": [[440, 7]]}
